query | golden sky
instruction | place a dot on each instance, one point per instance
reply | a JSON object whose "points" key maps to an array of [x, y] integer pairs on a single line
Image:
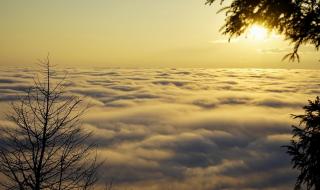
{"points": [[132, 33]]}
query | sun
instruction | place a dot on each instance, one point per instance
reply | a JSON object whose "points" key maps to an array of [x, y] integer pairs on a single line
{"points": [[257, 32]]}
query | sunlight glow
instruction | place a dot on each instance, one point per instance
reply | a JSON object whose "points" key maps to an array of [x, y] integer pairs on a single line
{"points": [[257, 32]]}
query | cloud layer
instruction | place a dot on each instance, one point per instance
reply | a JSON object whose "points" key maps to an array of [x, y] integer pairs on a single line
{"points": [[184, 129]]}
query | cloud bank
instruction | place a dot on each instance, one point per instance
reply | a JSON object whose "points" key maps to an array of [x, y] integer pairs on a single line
{"points": [[184, 129]]}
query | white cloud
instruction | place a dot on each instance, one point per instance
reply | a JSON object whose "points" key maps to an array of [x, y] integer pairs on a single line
{"points": [[189, 128]]}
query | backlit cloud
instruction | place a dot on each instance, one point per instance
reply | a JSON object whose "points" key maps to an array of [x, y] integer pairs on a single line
{"points": [[186, 129]]}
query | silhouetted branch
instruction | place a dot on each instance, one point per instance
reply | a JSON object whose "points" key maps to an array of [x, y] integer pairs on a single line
{"points": [[304, 148], [297, 20], [47, 148]]}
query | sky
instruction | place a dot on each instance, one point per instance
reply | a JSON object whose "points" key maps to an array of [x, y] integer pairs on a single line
{"points": [[175, 106], [131, 34]]}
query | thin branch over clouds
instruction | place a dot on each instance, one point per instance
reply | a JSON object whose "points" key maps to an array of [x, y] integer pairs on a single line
{"points": [[224, 41], [275, 50], [47, 147]]}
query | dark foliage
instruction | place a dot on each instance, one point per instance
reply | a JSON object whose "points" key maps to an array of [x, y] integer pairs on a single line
{"points": [[297, 20], [46, 147], [305, 147]]}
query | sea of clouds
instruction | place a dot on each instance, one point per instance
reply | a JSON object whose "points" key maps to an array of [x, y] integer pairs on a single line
{"points": [[187, 129]]}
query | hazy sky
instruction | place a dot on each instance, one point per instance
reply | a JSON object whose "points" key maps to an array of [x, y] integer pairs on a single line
{"points": [[131, 33]]}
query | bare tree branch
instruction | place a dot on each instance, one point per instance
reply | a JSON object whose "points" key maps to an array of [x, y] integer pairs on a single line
{"points": [[47, 148]]}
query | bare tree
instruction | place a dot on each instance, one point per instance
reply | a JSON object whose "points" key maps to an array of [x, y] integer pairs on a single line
{"points": [[47, 148], [108, 186]]}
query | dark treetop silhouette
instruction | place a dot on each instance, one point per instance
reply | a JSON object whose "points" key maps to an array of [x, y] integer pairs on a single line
{"points": [[305, 147], [46, 148], [297, 20]]}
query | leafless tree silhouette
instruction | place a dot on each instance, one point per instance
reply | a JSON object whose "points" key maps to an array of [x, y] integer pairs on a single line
{"points": [[47, 148]]}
